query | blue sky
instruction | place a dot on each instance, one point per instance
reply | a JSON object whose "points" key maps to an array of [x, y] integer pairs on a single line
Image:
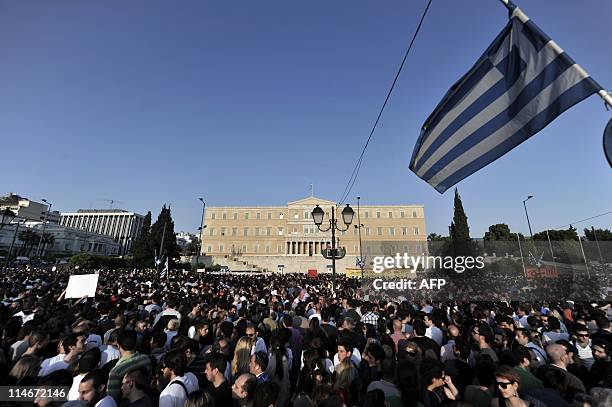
{"points": [[153, 102]]}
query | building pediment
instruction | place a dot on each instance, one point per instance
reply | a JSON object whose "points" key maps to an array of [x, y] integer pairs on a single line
{"points": [[311, 201]]}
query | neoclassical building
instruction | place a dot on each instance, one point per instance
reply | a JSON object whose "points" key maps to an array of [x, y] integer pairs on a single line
{"points": [[285, 238]]}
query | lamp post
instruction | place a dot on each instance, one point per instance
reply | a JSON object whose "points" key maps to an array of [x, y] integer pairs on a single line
{"points": [[201, 229], [359, 226], [347, 217], [42, 236], [526, 214], [7, 214]]}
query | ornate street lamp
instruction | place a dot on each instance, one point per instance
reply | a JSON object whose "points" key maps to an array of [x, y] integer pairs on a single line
{"points": [[7, 217], [347, 218]]}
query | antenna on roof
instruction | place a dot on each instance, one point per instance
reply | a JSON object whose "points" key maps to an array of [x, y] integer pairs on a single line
{"points": [[111, 202]]}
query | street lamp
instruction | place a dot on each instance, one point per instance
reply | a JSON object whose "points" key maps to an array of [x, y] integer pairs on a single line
{"points": [[7, 214], [347, 218], [359, 226], [201, 229], [526, 214], [42, 236]]}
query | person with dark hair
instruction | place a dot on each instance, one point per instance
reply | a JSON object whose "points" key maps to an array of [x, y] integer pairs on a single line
{"points": [[582, 343], [244, 389], [92, 390], [507, 382], [158, 341], [386, 383], [87, 363], [523, 337], [219, 387], [258, 366], [370, 368], [200, 398], [180, 383], [481, 337], [279, 364], [130, 360], [457, 366], [601, 371], [259, 343], [429, 347], [134, 387], [73, 345], [374, 398], [437, 387], [266, 394], [521, 358]]}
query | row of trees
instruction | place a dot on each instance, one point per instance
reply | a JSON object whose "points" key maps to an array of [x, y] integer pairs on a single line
{"points": [[501, 240], [30, 240]]}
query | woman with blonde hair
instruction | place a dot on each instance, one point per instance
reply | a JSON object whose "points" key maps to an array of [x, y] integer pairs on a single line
{"points": [[242, 356], [27, 366]]}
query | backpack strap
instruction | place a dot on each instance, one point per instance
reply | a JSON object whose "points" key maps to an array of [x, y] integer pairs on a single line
{"points": [[182, 385]]}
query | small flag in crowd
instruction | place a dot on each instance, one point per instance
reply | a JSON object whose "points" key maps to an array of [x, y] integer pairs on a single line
{"points": [[522, 82], [165, 270]]}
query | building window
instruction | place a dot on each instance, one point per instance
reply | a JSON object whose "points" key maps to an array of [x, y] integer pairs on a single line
{"points": [[222, 231], [295, 229], [246, 215], [280, 231], [295, 215], [414, 214], [390, 215], [209, 248], [280, 215], [402, 214], [379, 231], [366, 214], [267, 249], [377, 215], [306, 215], [279, 248], [224, 216], [235, 216], [234, 231], [256, 248], [416, 231], [256, 231], [213, 215], [221, 248], [269, 215], [244, 248], [258, 215], [246, 231], [391, 231], [212, 231], [404, 231], [269, 231], [367, 231]]}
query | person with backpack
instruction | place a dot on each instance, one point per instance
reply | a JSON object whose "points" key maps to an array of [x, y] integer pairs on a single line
{"points": [[180, 383]]}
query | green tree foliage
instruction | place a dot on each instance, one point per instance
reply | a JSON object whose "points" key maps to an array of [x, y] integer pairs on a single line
{"points": [[192, 247], [461, 243], [558, 235], [142, 249], [29, 240], [170, 247], [501, 241], [603, 235], [86, 261]]}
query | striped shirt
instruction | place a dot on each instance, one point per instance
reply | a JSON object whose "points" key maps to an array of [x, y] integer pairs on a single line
{"points": [[124, 365]]}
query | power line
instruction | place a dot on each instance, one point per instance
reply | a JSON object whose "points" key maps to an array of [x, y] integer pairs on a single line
{"points": [[355, 173], [583, 220]]}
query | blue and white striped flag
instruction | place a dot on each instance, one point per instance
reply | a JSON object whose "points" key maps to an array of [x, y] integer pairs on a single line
{"points": [[165, 270], [522, 82]]}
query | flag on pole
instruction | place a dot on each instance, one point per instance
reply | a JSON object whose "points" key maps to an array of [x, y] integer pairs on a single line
{"points": [[522, 82], [165, 270]]}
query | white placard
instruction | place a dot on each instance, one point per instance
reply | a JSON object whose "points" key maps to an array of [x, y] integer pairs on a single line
{"points": [[82, 285]]}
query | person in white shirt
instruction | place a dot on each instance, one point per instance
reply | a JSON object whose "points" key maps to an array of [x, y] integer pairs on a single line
{"points": [[180, 383], [432, 331], [92, 390], [583, 345], [73, 345], [88, 362], [170, 310], [111, 351]]}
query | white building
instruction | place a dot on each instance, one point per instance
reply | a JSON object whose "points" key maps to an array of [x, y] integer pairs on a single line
{"points": [[66, 240], [25, 208], [184, 238], [123, 226]]}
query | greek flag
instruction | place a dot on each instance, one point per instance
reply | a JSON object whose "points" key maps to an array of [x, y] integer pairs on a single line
{"points": [[522, 82], [164, 270]]}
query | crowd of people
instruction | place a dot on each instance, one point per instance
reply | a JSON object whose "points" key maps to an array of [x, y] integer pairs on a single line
{"points": [[224, 340]]}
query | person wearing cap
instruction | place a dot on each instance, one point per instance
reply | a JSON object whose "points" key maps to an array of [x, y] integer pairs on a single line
{"points": [[602, 351]]}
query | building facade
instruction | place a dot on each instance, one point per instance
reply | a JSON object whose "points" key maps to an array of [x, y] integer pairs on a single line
{"points": [[285, 238], [124, 227], [25, 208]]}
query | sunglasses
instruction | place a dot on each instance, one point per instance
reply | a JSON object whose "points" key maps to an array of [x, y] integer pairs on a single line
{"points": [[504, 385], [582, 335]]}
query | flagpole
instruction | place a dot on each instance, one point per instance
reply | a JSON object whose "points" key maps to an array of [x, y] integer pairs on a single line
{"points": [[603, 94]]}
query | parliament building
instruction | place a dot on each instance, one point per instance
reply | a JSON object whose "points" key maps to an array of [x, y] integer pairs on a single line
{"points": [[285, 238]]}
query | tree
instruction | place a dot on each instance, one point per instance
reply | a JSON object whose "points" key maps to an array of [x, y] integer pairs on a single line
{"points": [[142, 249], [500, 240], [30, 239], [164, 226], [461, 243], [47, 239], [601, 235], [192, 247]]}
